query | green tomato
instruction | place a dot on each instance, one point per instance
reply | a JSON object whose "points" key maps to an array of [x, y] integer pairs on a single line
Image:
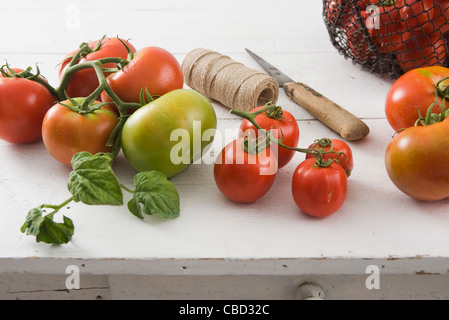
{"points": [[169, 133]]}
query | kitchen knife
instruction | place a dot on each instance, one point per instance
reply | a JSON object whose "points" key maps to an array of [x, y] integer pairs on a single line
{"points": [[347, 125]]}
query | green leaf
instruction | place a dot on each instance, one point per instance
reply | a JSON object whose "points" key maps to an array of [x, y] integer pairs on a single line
{"points": [[45, 229], [93, 181], [154, 194]]}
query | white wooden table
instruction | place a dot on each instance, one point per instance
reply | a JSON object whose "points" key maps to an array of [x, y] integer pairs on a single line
{"points": [[217, 249]]}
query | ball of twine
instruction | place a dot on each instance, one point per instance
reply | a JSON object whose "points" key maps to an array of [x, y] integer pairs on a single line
{"points": [[229, 82]]}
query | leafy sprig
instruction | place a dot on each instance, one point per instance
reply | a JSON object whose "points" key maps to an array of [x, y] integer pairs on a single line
{"points": [[93, 182]]}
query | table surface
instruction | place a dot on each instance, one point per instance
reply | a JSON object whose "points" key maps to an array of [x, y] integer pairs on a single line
{"points": [[376, 225]]}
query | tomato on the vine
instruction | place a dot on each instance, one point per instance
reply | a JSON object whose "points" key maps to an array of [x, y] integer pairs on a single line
{"points": [[319, 191], [244, 176], [334, 149], [85, 81], [23, 105], [66, 132], [283, 126], [169, 133], [416, 159], [152, 68], [412, 93]]}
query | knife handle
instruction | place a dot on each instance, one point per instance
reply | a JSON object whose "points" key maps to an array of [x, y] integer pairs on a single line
{"points": [[347, 125]]}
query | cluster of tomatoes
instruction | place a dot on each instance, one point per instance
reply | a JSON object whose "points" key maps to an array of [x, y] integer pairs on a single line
{"points": [[113, 97], [246, 168], [415, 32], [100, 105], [416, 108]]}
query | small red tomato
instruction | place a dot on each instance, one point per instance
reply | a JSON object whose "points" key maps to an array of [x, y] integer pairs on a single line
{"points": [[341, 152], [283, 125], [319, 191], [242, 176]]}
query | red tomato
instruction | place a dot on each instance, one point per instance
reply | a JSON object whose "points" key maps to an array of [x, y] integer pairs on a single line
{"points": [[152, 68], [285, 127], [416, 14], [342, 153], [392, 33], [357, 42], [338, 12], [422, 50], [416, 160], [440, 22], [412, 91], [23, 104], [244, 177], [319, 191], [66, 132], [85, 81]]}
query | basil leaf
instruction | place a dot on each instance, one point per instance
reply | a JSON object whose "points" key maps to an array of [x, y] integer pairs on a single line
{"points": [[45, 229], [157, 195], [93, 181]]}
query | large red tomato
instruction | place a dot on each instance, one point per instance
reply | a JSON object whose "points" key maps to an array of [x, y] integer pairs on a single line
{"points": [[23, 104], [152, 68], [85, 81], [416, 160], [413, 91]]}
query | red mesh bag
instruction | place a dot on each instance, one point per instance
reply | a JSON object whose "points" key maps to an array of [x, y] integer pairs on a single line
{"points": [[389, 37]]}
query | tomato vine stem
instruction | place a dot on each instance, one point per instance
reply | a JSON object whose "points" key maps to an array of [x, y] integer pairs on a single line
{"points": [[56, 208], [318, 153]]}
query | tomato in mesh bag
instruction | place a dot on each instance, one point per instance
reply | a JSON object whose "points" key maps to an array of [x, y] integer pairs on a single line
{"points": [[417, 15], [390, 36], [422, 50], [391, 33], [358, 44]]}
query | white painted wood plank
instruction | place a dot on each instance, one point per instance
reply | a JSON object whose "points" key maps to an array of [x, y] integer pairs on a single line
{"points": [[284, 26], [377, 224], [376, 221]]}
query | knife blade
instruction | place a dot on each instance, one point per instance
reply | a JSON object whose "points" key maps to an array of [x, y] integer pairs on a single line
{"points": [[340, 120]]}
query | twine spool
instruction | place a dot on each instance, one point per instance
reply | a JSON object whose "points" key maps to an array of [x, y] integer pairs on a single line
{"points": [[229, 82]]}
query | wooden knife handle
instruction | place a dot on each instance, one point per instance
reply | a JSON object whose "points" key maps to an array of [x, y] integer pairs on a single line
{"points": [[347, 125]]}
